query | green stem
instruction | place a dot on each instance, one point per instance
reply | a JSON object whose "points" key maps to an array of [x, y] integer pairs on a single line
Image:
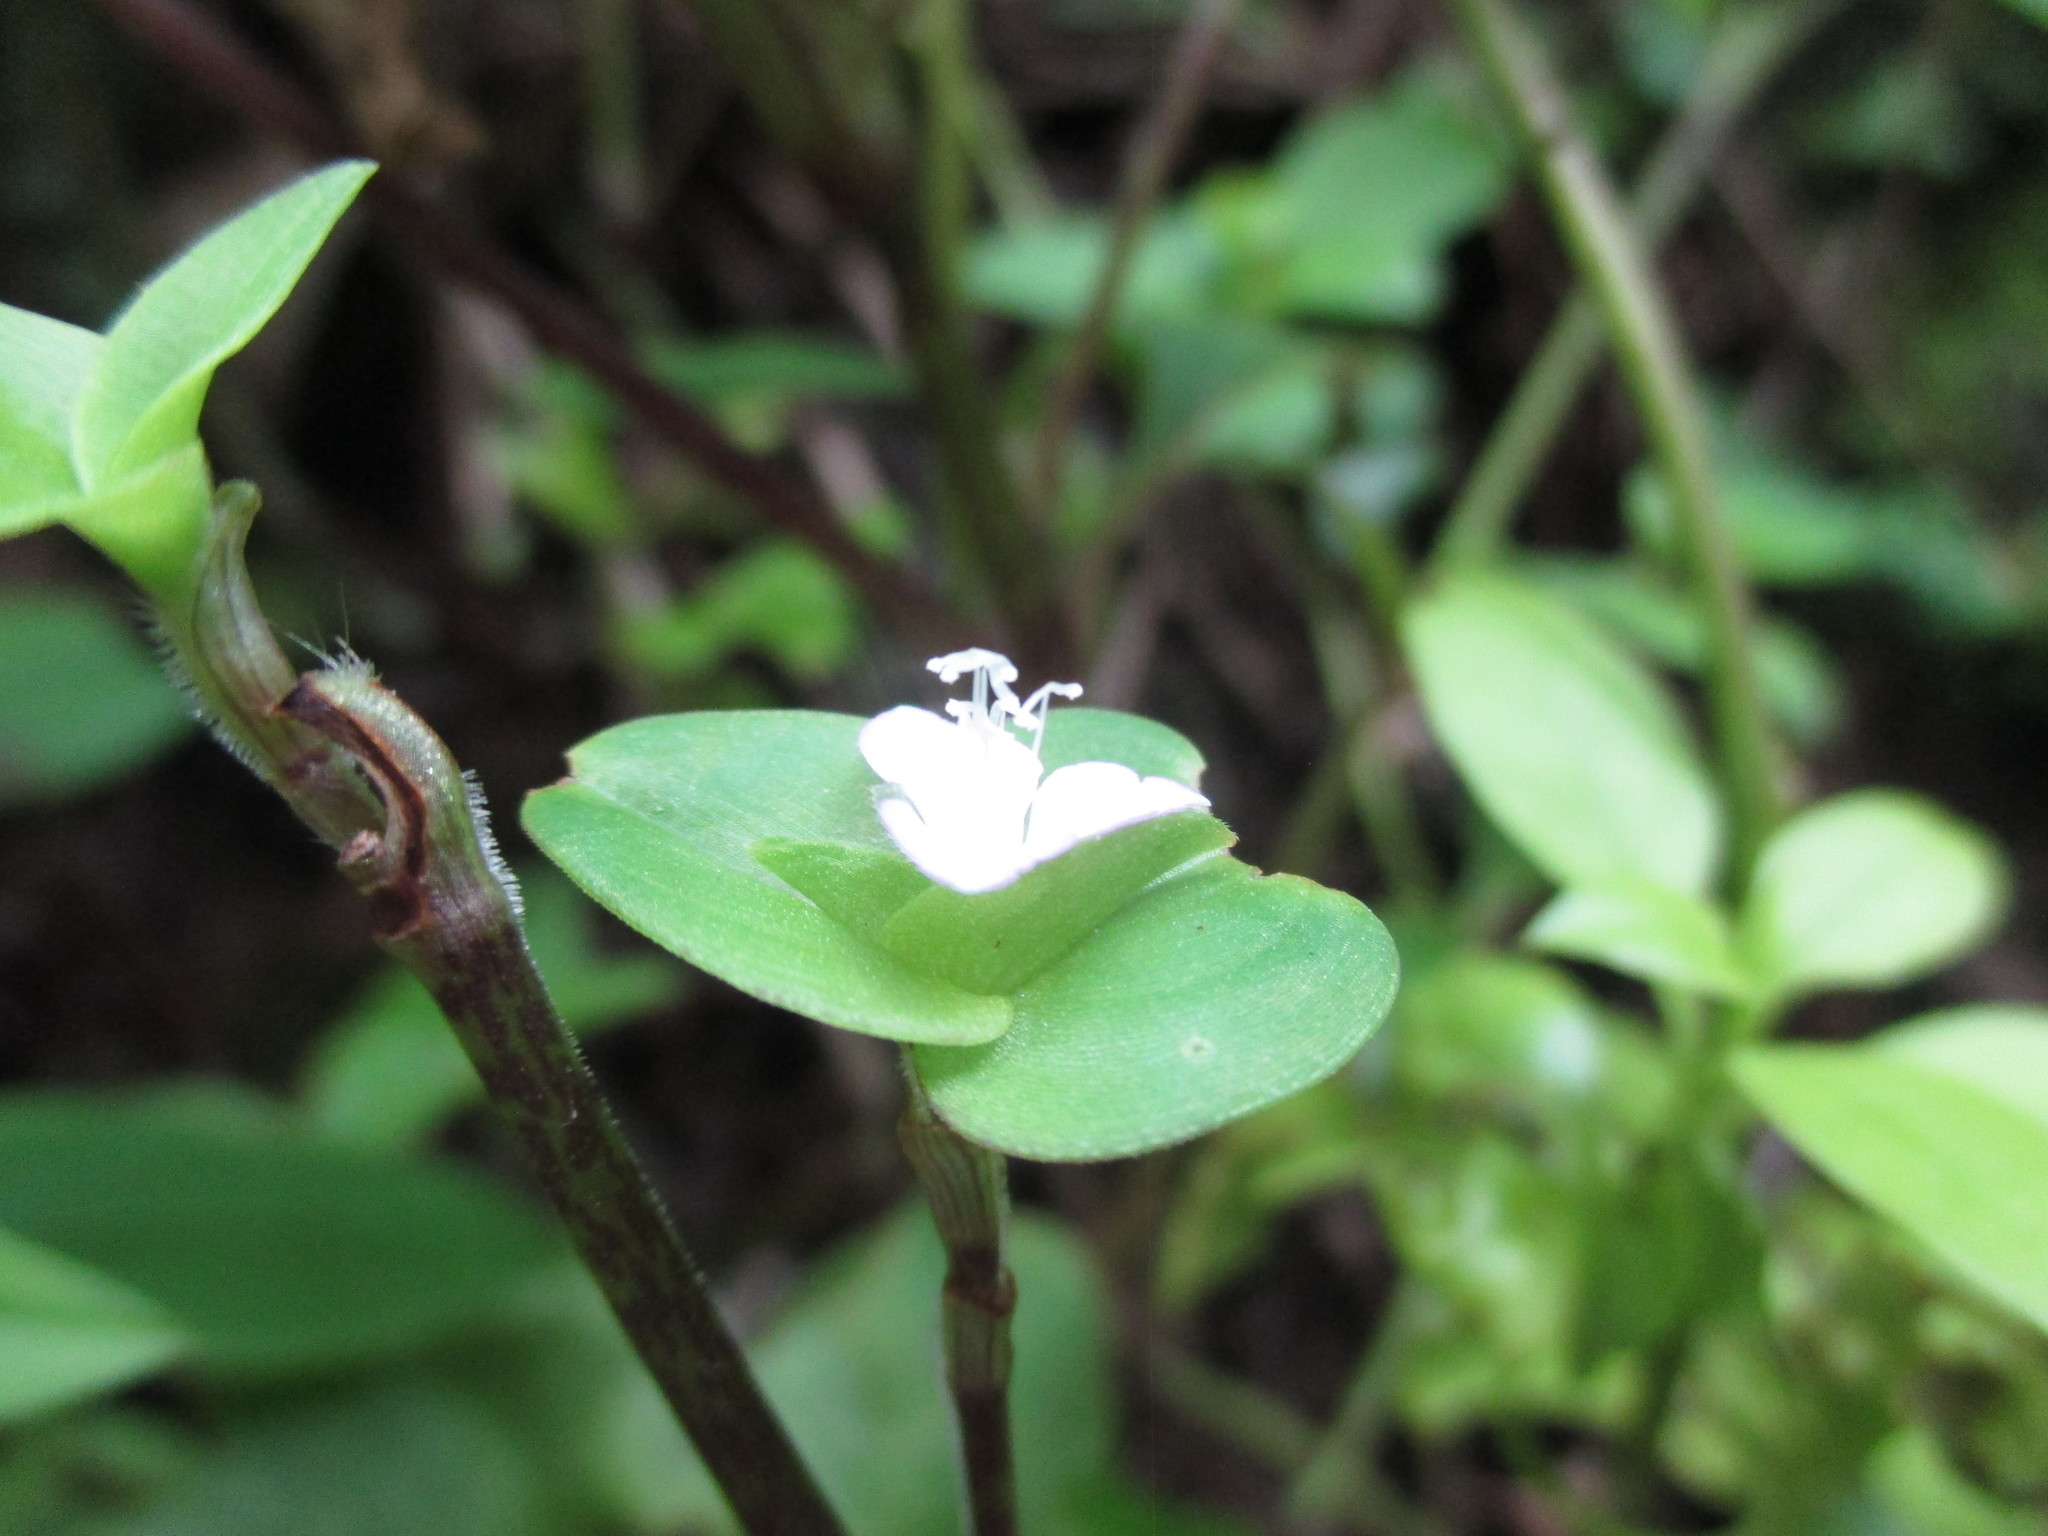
{"points": [[1654, 366], [1153, 152], [968, 1187], [440, 903], [1000, 553], [1744, 56]]}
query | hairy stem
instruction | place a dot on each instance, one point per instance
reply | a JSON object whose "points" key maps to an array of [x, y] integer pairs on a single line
{"points": [[1152, 154], [968, 1187], [373, 780], [1654, 366], [1744, 56]]}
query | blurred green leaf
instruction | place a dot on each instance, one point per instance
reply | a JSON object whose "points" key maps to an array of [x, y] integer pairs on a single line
{"points": [[782, 366], [1573, 749], [1918, 1488], [1499, 1027], [1869, 889], [1663, 1243], [2001, 1048], [778, 598], [1959, 1168], [1647, 931], [68, 1333], [1045, 273], [393, 1459], [390, 1071], [1800, 685], [143, 397], [1364, 198], [82, 702], [279, 1255]]}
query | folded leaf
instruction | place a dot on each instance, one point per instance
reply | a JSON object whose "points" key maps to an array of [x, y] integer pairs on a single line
{"points": [[142, 400]]}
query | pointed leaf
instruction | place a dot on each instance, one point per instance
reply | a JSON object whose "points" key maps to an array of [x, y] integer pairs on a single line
{"points": [[1574, 750], [68, 1332], [1869, 889], [1959, 1168], [659, 822], [1647, 931], [1212, 994], [43, 367], [143, 398]]}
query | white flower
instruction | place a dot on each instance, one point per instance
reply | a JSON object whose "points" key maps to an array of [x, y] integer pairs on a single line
{"points": [[967, 805]]}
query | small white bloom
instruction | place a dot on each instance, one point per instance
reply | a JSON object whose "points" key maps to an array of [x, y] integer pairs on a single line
{"points": [[968, 806]]}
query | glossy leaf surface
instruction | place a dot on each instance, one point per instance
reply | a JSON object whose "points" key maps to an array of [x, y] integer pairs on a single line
{"points": [[658, 822], [1573, 749], [1209, 996]]}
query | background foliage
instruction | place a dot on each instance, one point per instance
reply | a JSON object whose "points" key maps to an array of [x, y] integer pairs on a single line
{"points": [[1612, 1228]]}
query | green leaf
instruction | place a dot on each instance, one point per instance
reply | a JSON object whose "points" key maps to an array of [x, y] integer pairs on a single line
{"points": [[69, 1333], [1959, 1168], [1647, 931], [279, 1255], [996, 942], [143, 397], [2001, 1048], [1573, 749], [1211, 995], [398, 1458], [1045, 273], [1869, 889], [1496, 1026], [43, 367], [1923, 1492], [151, 523], [391, 1071], [82, 701], [719, 370], [659, 822], [1083, 735], [1367, 195], [778, 598]]}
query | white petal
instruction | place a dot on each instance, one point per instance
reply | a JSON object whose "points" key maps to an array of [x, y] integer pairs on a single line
{"points": [[1085, 800], [952, 770], [968, 865]]}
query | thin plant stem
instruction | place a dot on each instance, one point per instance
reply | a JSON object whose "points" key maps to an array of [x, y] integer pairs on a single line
{"points": [[213, 58], [1001, 555], [1744, 57], [1153, 152], [967, 1186], [1653, 363], [372, 780]]}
